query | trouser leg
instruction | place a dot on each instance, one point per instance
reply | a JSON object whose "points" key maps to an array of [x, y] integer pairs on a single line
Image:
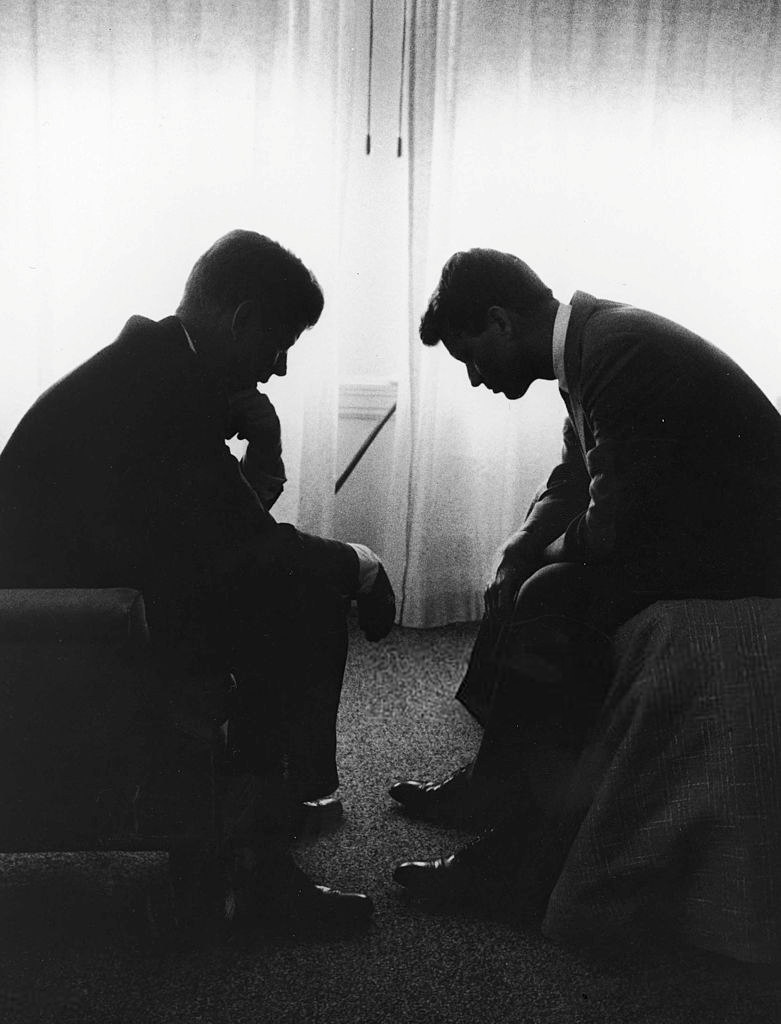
{"points": [[552, 667], [311, 754], [283, 635], [551, 678], [289, 689], [289, 692], [477, 687], [290, 706]]}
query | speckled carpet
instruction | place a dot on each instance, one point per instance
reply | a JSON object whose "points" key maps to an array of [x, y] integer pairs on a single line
{"points": [[70, 952]]}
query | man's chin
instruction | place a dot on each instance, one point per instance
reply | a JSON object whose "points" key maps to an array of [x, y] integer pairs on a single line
{"points": [[514, 393]]}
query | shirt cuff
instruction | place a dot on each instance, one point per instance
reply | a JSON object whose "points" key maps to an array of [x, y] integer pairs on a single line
{"points": [[368, 567]]}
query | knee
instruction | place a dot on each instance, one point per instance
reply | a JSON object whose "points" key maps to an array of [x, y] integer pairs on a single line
{"points": [[321, 610], [561, 588]]}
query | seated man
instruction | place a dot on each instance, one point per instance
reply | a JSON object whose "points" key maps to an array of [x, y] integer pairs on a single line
{"points": [[669, 486], [119, 475], [252, 418]]}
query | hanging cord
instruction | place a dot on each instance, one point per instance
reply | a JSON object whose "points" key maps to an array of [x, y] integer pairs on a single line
{"points": [[401, 82], [369, 97]]}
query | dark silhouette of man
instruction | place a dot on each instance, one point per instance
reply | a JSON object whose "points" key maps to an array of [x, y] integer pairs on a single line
{"points": [[119, 475], [669, 486]]}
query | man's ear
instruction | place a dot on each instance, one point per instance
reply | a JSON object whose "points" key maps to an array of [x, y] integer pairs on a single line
{"points": [[500, 316], [243, 313]]}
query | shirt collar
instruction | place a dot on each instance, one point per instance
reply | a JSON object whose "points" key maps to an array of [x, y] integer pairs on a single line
{"points": [[559, 336], [190, 341]]}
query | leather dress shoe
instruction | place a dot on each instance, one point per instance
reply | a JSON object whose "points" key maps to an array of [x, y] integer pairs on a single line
{"points": [[449, 802], [318, 908], [289, 901], [313, 818], [377, 607], [439, 879], [483, 871]]}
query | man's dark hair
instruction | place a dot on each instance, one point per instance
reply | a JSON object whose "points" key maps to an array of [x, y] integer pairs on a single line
{"points": [[472, 282], [246, 265]]}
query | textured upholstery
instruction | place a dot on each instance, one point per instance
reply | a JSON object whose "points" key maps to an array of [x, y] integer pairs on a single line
{"points": [[86, 757], [678, 806]]}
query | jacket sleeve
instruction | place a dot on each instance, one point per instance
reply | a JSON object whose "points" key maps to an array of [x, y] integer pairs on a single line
{"points": [[225, 530], [563, 497], [216, 520]]}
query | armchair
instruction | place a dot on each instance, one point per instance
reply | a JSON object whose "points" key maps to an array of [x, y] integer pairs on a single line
{"points": [[91, 757]]}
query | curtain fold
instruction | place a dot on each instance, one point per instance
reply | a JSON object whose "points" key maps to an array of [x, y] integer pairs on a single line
{"points": [[133, 135], [627, 149]]}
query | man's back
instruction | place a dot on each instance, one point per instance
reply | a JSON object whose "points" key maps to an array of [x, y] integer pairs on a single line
{"points": [[119, 475], [694, 444]]}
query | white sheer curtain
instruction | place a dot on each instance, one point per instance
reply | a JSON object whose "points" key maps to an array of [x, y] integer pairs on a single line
{"points": [[133, 135], [628, 149]]}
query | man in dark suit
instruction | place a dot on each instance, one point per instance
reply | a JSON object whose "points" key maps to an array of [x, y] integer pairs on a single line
{"points": [[669, 486], [119, 475]]}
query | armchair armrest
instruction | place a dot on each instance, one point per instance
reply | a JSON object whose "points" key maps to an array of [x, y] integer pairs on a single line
{"points": [[111, 616]]}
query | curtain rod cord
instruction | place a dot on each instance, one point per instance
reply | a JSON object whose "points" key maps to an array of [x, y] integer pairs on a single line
{"points": [[401, 80], [369, 97]]}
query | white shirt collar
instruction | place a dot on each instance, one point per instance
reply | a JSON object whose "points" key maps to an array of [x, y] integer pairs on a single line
{"points": [[559, 336], [190, 341]]}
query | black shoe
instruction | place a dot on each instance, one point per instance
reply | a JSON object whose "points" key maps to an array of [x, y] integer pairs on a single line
{"points": [[439, 879], [484, 871], [462, 801], [320, 909], [377, 608], [313, 818], [287, 900], [449, 802]]}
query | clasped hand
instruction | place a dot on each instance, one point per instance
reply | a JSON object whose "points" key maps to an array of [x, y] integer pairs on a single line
{"points": [[252, 417]]}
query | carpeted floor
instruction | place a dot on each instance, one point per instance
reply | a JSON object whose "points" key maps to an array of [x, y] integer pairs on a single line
{"points": [[71, 953]]}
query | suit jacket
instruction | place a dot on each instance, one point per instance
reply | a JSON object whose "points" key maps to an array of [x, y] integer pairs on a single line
{"points": [[671, 462], [119, 475]]}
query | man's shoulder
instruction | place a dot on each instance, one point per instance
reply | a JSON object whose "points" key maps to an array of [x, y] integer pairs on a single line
{"points": [[603, 319], [145, 346], [138, 333], [597, 317], [142, 328], [147, 361], [606, 328]]}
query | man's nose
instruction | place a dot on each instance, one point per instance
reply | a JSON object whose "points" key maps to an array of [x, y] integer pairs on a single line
{"points": [[474, 375], [280, 365]]}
